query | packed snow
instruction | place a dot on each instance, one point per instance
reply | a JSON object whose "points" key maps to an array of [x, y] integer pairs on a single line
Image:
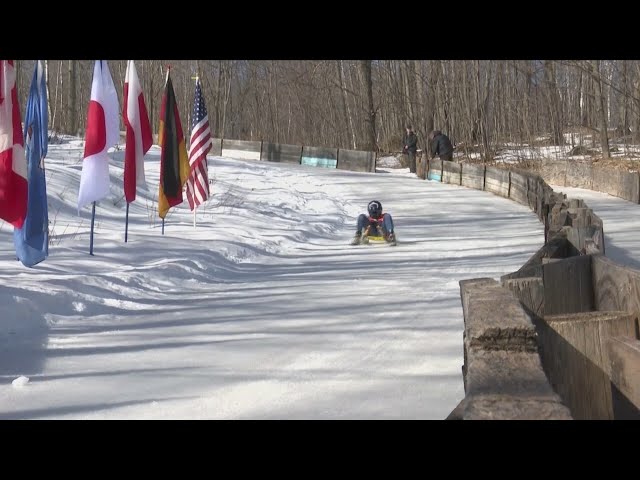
{"points": [[263, 310]]}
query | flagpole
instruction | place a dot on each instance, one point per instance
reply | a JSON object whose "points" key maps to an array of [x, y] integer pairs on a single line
{"points": [[93, 217], [196, 78], [165, 81], [126, 225]]}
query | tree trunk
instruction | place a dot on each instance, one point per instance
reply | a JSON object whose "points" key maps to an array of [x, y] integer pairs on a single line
{"points": [[602, 109], [624, 111], [46, 76], [72, 108], [553, 102], [59, 87], [370, 115], [345, 107], [419, 97]]}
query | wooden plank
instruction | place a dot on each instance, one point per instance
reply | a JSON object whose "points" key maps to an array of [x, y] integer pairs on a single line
{"points": [[575, 203], [530, 292], [497, 181], [579, 173], [558, 218], [541, 203], [556, 248], [320, 152], [242, 149], [356, 160], [247, 145], [435, 170], [472, 176], [575, 359], [519, 188], [319, 157], [532, 190], [580, 217], [580, 237], [617, 183], [616, 287], [568, 286], [451, 172], [624, 358], [422, 165], [554, 171], [281, 152]]}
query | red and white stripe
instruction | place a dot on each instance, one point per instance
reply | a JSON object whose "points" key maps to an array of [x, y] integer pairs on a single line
{"points": [[13, 163], [138, 132], [103, 132], [198, 181]]}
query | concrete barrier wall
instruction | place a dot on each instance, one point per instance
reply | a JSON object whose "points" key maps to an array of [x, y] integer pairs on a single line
{"points": [[319, 157], [280, 152], [216, 147], [242, 149], [356, 160]]}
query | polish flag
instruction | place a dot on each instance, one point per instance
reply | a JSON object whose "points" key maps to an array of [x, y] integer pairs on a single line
{"points": [[103, 132], [13, 163], [139, 138]]}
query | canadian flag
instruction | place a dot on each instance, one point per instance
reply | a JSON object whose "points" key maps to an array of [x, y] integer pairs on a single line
{"points": [[13, 164], [139, 139], [103, 131]]}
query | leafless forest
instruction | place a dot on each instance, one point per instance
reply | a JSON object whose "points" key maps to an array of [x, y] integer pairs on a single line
{"points": [[365, 105]]}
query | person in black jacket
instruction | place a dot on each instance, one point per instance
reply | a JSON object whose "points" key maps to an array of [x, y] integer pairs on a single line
{"points": [[440, 145], [410, 141]]}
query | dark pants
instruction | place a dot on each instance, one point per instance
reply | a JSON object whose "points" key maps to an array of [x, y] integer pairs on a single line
{"points": [[387, 223], [412, 161]]}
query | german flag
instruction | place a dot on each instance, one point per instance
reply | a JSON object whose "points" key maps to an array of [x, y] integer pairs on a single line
{"points": [[174, 162]]}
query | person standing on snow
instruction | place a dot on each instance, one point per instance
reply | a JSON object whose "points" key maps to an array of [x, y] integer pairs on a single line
{"points": [[410, 141]]}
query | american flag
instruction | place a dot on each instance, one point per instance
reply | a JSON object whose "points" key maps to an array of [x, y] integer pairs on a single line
{"points": [[198, 182]]}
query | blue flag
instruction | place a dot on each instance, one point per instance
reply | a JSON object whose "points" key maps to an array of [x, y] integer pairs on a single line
{"points": [[32, 240]]}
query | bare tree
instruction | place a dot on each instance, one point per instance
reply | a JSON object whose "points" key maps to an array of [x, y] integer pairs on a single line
{"points": [[602, 109], [553, 102], [71, 127]]}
